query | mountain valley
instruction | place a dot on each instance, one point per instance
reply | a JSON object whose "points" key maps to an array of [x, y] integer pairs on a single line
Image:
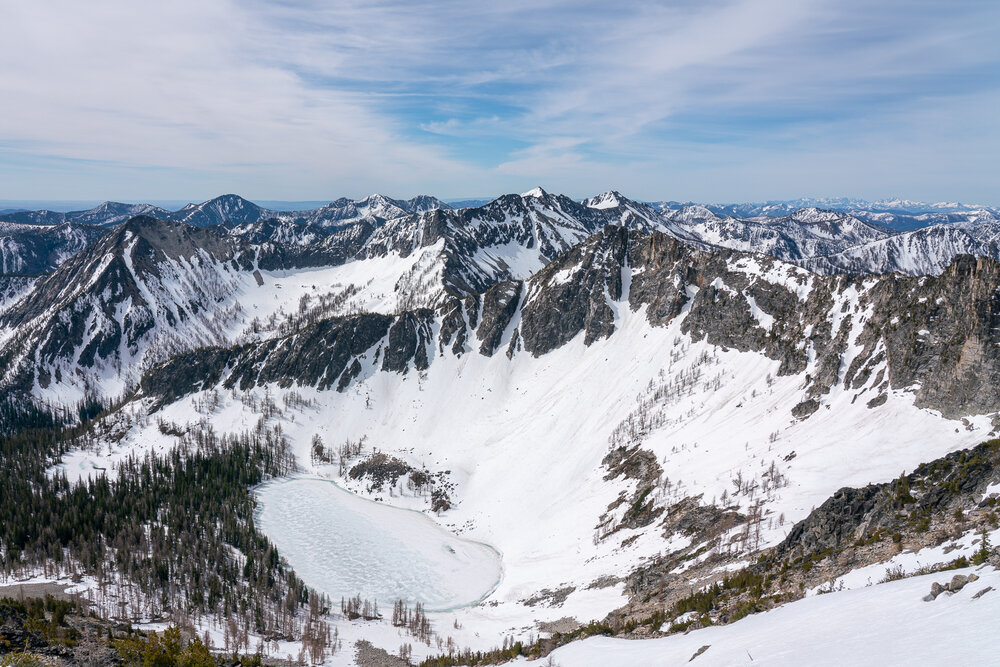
{"points": [[655, 417]]}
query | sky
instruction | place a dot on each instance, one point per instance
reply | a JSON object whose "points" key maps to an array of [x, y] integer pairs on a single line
{"points": [[701, 100]]}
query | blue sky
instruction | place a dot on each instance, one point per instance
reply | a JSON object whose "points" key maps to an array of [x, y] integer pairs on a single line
{"points": [[301, 99]]}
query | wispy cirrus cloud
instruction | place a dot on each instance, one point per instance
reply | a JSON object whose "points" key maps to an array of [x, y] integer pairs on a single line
{"points": [[308, 99]]}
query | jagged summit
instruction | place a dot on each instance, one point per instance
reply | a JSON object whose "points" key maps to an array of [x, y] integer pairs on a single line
{"points": [[226, 209], [609, 199], [536, 192]]}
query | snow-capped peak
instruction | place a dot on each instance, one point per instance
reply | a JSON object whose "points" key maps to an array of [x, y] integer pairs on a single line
{"points": [[536, 192], [813, 215], [610, 199]]}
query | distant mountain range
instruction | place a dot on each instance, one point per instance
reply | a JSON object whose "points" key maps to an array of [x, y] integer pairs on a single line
{"points": [[898, 214], [227, 209], [858, 238]]}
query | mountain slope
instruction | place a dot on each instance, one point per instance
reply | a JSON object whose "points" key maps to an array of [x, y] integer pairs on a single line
{"points": [[937, 335], [423, 260], [227, 209], [145, 291], [926, 251], [108, 214], [36, 249], [614, 397], [804, 233]]}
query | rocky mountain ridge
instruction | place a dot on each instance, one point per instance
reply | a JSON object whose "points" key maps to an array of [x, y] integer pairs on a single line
{"points": [[507, 258], [824, 240], [896, 215], [937, 335]]}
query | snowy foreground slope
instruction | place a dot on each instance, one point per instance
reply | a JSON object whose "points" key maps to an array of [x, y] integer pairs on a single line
{"points": [[887, 624]]}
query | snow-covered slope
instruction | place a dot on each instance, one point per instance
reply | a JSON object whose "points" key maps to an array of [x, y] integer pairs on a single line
{"points": [[530, 437], [36, 249], [884, 624], [925, 251], [147, 290]]}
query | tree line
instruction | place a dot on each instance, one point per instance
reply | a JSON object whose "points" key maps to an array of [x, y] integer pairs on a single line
{"points": [[166, 535]]}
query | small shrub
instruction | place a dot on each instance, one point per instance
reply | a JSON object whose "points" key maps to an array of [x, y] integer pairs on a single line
{"points": [[894, 573], [985, 550]]}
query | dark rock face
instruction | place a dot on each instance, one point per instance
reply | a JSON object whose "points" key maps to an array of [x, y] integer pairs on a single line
{"points": [[639, 465], [716, 299], [409, 338], [320, 355], [566, 300], [329, 354], [187, 373], [936, 332], [933, 490], [499, 305], [834, 522], [455, 323], [940, 332], [955, 361], [806, 408]]}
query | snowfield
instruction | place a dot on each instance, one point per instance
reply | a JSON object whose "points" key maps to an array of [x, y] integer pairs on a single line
{"points": [[886, 624], [371, 285]]}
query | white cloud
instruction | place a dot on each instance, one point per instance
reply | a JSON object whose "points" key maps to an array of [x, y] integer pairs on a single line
{"points": [[185, 85], [313, 99]]}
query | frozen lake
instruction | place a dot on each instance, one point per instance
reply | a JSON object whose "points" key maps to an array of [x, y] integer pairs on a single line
{"points": [[344, 545]]}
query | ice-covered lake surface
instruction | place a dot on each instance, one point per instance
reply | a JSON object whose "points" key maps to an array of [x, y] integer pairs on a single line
{"points": [[344, 545]]}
